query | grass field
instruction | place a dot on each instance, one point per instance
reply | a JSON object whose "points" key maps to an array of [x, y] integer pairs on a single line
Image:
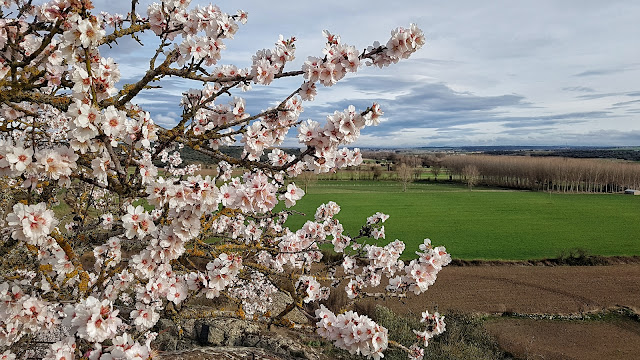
{"points": [[485, 224]]}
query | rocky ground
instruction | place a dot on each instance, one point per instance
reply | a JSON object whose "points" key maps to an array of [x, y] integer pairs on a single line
{"points": [[534, 312]]}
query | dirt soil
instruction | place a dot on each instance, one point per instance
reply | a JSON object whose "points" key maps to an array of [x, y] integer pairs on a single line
{"points": [[555, 290], [553, 339]]}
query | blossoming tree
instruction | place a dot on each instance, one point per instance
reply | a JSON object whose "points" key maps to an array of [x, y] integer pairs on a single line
{"points": [[72, 135]]}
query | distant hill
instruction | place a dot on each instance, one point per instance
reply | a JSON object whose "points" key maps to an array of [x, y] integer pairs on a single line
{"points": [[486, 149], [190, 156], [622, 154], [582, 152]]}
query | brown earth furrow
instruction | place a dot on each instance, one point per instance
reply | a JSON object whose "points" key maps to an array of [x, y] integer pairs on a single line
{"points": [[520, 284], [563, 290], [580, 340], [530, 289]]}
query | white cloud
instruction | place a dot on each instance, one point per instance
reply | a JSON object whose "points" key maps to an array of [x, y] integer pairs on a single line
{"points": [[167, 120], [525, 60]]}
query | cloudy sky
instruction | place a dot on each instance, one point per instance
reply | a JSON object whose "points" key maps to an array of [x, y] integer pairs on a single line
{"points": [[492, 72]]}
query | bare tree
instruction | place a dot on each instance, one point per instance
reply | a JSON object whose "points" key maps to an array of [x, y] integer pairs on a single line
{"points": [[404, 175], [436, 167], [435, 162], [471, 175], [307, 178], [417, 173], [377, 171]]}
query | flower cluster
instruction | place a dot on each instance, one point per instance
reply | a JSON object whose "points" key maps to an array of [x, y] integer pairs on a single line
{"points": [[137, 222], [313, 289], [100, 78], [256, 293], [401, 45], [355, 333], [172, 18], [32, 223], [123, 347], [92, 319], [292, 195], [108, 254], [341, 128], [83, 33], [434, 326], [56, 163], [421, 273], [63, 349], [338, 60], [255, 193], [382, 261], [272, 128], [221, 273], [267, 63], [22, 313]]}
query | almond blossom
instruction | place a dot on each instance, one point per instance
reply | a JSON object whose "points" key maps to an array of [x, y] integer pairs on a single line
{"points": [[355, 333], [137, 222], [292, 195], [32, 222], [313, 289], [20, 158], [140, 215]]}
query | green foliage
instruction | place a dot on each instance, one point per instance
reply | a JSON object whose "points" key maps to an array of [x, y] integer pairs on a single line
{"points": [[485, 224]]}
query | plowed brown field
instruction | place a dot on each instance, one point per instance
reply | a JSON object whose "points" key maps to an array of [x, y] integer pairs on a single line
{"points": [[544, 290]]}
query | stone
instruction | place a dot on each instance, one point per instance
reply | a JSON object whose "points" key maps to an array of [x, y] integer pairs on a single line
{"points": [[224, 331], [280, 302]]}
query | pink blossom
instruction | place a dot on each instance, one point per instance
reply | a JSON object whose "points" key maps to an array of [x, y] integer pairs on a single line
{"points": [[292, 195], [85, 129], [20, 158], [32, 223]]}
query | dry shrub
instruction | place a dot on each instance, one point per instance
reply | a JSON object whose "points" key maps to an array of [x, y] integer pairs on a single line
{"points": [[337, 301], [367, 308], [465, 337], [579, 257], [329, 256]]}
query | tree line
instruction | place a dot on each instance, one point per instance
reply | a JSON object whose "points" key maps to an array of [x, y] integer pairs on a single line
{"points": [[547, 174]]}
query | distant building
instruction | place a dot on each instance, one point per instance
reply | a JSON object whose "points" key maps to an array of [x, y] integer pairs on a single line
{"points": [[632, 192]]}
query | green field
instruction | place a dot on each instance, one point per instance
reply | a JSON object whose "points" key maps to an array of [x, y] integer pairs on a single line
{"points": [[485, 224]]}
